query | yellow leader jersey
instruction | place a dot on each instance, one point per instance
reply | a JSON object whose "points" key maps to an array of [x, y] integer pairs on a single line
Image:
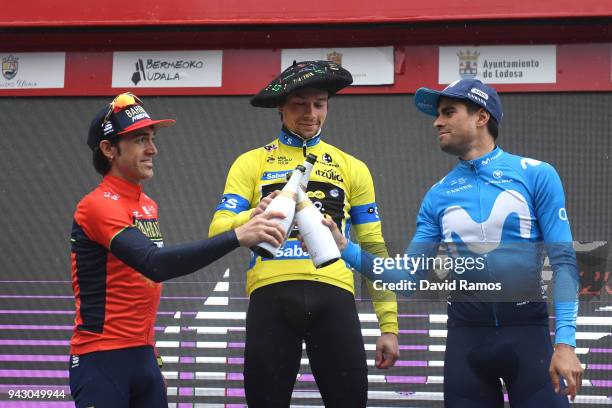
{"points": [[340, 186]]}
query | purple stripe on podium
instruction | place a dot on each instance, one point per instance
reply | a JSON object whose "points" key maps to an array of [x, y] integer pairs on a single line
{"points": [[412, 315], [6, 387], [235, 360], [235, 392], [187, 360], [36, 297], [406, 379], [307, 378], [34, 373], [188, 344], [34, 342], [34, 327], [235, 376], [599, 366], [414, 331], [410, 363], [36, 312], [184, 297], [37, 404], [32, 357], [235, 345], [601, 383], [412, 347], [186, 376], [600, 350], [35, 281], [186, 391]]}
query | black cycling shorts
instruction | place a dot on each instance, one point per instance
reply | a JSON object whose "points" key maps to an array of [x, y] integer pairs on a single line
{"points": [[122, 378], [279, 318], [477, 358]]}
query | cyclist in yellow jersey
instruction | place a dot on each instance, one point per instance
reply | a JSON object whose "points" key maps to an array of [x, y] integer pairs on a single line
{"points": [[290, 300]]}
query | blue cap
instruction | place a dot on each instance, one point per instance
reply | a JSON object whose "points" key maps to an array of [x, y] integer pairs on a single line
{"points": [[426, 100]]}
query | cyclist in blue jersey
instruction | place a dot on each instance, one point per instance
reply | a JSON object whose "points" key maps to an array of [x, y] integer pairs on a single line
{"points": [[501, 211]]}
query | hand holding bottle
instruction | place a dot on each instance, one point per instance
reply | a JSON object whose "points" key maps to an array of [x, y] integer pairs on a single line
{"points": [[284, 202], [340, 239], [263, 204], [262, 228]]}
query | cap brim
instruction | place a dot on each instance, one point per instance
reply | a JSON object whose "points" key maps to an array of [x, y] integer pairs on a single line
{"points": [[426, 100], [157, 124]]}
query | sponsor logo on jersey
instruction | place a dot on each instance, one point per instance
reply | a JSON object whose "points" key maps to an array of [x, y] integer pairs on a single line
{"points": [[329, 174], [327, 160], [490, 159], [150, 227], [457, 221], [319, 195], [531, 162], [283, 160], [459, 189], [460, 180], [498, 174], [270, 159], [374, 211], [274, 175], [230, 203], [112, 196], [270, 147], [291, 250]]}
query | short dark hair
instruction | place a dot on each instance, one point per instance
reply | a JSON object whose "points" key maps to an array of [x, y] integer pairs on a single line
{"points": [[100, 161], [472, 108]]}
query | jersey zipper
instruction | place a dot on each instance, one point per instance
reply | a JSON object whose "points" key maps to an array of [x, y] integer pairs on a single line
{"points": [[484, 235], [304, 147]]}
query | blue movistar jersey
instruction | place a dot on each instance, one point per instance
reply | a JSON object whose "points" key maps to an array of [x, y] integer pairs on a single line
{"points": [[504, 212]]}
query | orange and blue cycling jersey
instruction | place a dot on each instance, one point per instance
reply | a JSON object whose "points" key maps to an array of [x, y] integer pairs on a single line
{"points": [[340, 186], [116, 305], [118, 262]]}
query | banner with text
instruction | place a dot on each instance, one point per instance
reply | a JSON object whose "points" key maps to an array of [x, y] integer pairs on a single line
{"points": [[33, 70], [521, 64], [167, 69]]}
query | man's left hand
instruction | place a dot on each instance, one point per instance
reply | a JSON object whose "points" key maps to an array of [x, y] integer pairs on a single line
{"points": [[564, 363], [387, 350]]}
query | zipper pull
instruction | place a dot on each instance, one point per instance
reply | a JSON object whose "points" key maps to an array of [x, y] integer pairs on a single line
{"points": [[304, 148]]}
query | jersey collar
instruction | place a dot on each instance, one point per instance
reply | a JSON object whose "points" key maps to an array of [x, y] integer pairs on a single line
{"points": [[483, 161], [289, 138], [122, 187]]}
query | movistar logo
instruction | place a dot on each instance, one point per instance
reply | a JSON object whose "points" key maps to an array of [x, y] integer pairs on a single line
{"points": [[483, 237]]}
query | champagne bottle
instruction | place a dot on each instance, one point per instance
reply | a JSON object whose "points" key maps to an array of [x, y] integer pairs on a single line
{"points": [[284, 202], [317, 237], [308, 165]]}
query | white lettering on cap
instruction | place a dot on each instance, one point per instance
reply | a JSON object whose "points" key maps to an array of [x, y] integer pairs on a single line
{"points": [[480, 93]]}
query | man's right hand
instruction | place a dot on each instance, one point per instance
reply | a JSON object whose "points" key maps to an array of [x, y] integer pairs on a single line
{"points": [[340, 239], [262, 228], [263, 204]]}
